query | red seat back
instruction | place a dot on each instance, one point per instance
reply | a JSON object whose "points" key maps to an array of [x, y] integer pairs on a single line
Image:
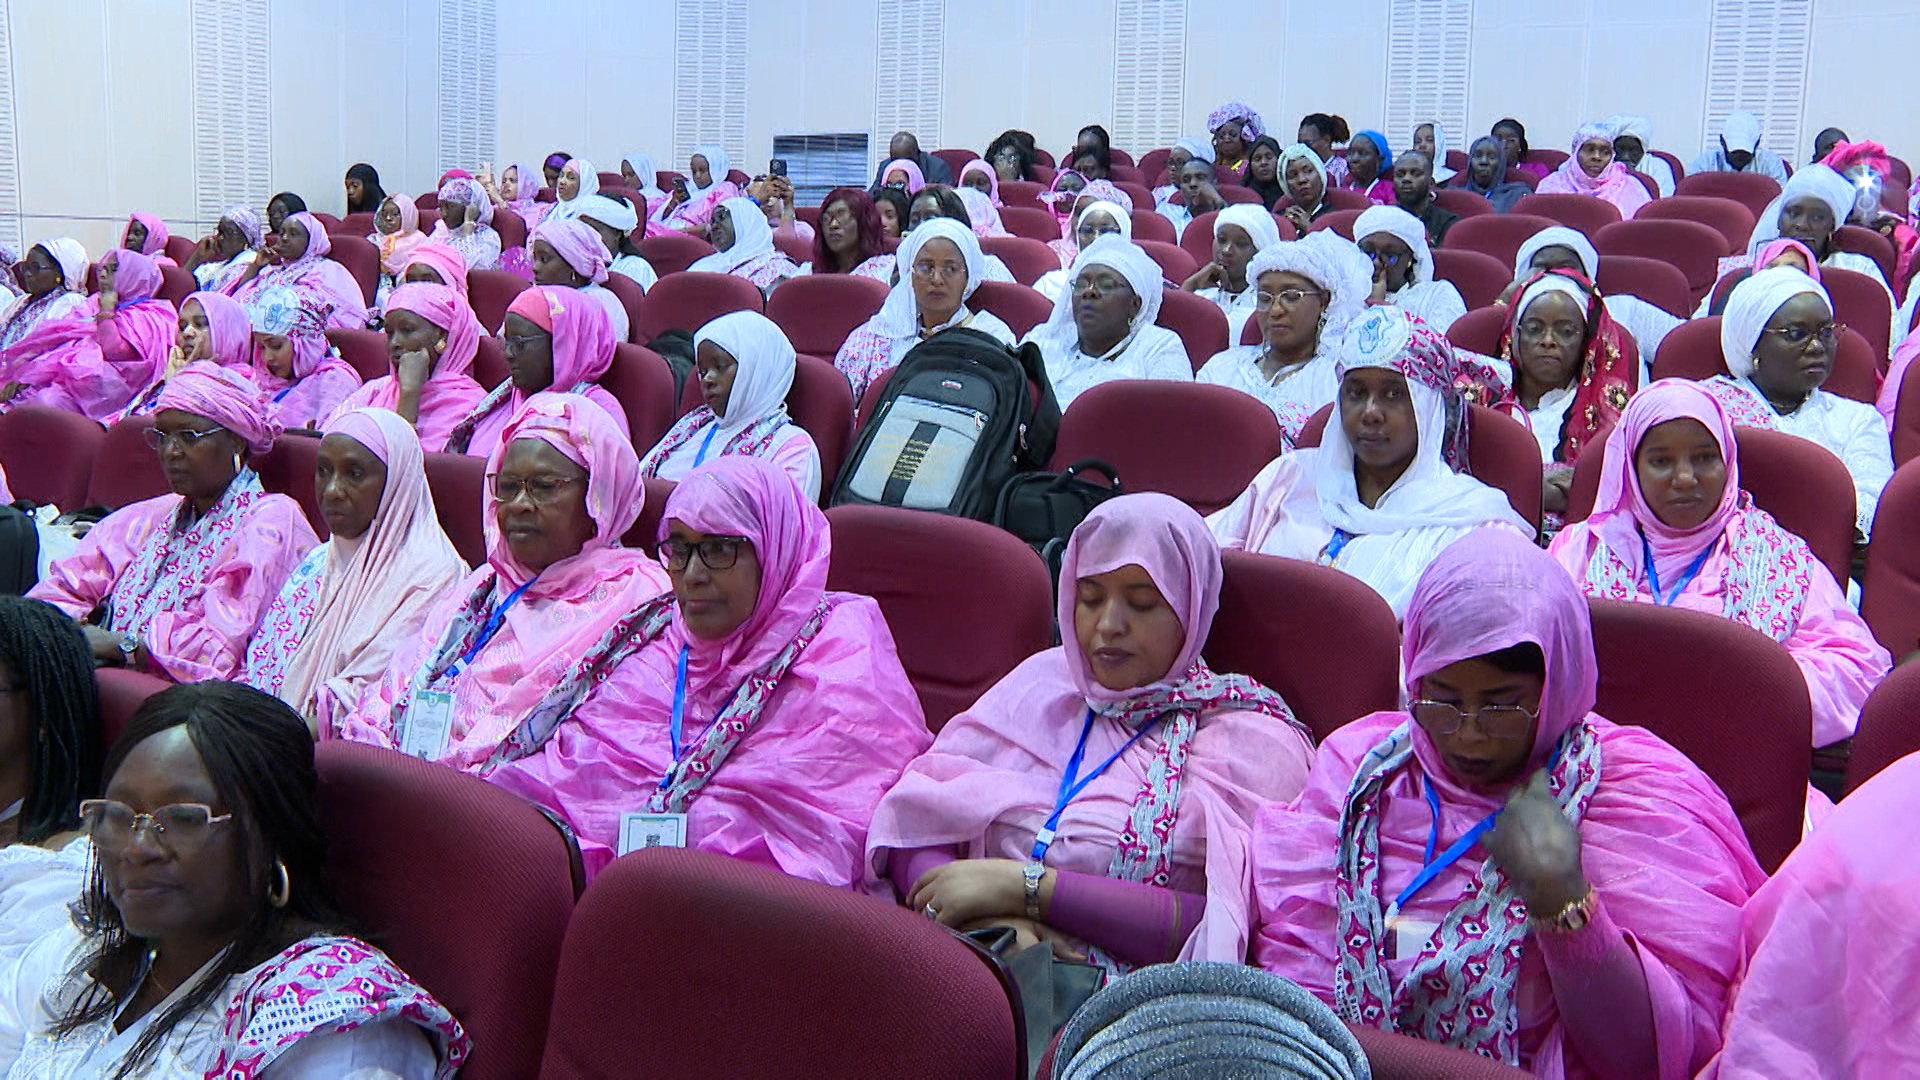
{"points": [[512, 229], [795, 247], [1137, 192], [956, 159], [1583, 212], [955, 639], [1906, 417], [1890, 601], [640, 380], [818, 311], [645, 534], [1019, 307], [1689, 245], [1889, 726], [1730, 218], [1340, 221], [1498, 235], [1864, 241], [177, 284], [366, 350], [430, 200], [490, 362], [864, 988], [1236, 194], [288, 469], [1320, 638], [1521, 176], [688, 301], [432, 862], [1863, 304], [1201, 324], [49, 454], [1462, 202], [122, 692], [490, 292], [358, 223], [125, 468], [1673, 163], [1343, 199], [1154, 161], [1729, 698], [670, 253], [1692, 351], [361, 259], [1478, 330], [1153, 225], [178, 247], [1552, 159], [633, 300], [1479, 277], [1199, 443], [1021, 194], [1034, 224], [1029, 259], [458, 483], [1750, 190], [1658, 283], [1500, 454], [1393, 1056], [1197, 238]]}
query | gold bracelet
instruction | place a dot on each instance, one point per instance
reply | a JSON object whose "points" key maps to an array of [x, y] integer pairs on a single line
{"points": [[1571, 918]]}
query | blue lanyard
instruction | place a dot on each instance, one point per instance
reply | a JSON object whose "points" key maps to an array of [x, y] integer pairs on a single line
{"points": [[706, 442], [1335, 546], [492, 627], [281, 396], [1072, 783], [1686, 579], [677, 719], [1447, 858]]}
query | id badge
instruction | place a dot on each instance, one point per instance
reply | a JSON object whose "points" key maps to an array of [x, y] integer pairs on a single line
{"points": [[1408, 937], [639, 831], [429, 725]]}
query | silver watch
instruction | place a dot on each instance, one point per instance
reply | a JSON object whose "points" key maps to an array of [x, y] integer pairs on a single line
{"points": [[129, 648], [1033, 872]]}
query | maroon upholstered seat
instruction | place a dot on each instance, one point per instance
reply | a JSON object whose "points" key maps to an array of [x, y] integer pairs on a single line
{"points": [[122, 692], [366, 350], [512, 229], [490, 292], [1392, 1056], [1137, 192], [1237, 194], [1729, 217], [1176, 266], [670, 253], [288, 469], [1479, 277], [1199, 443], [1340, 221], [818, 311], [361, 259], [1197, 238], [956, 159], [1150, 224], [1906, 418], [1478, 330], [641, 382], [1864, 306], [689, 300], [1728, 697], [358, 223], [1498, 235], [1462, 202], [1029, 259], [955, 638], [1657, 282], [1019, 307], [1864, 241], [179, 247], [815, 982], [1030, 222], [1320, 638], [49, 454], [1023, 194], [1890, 601], [633, 299], [1582, 212], [465, 885], [1750, 190], [176, 285], [458, 483], [1889, 726], [645, 533], [1500, 453], [1199, 322], [125, 468], [490, 362], [1692, 351], [1689, 245]]}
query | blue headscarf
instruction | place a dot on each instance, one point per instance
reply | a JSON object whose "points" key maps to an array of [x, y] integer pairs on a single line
{"points": [[1380, 142]]}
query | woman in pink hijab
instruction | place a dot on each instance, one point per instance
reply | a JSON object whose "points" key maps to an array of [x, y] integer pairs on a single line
{"points": [[1068, 246], [903, 173], [301, 248], [432, 338], [185, 578], [1671, 526], [1593, 171], [148, 235], [435, 264], [363, 593], [556, 339], [94, 364], [304, 378], [396, 233], [519, 183], [498, 655], [212, 327], [1497, 868], [770, 712], [981, 177], [1117, 774], [567, 252]]}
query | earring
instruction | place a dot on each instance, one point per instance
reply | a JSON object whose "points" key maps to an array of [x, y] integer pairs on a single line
{"points": [[279, 897], [236, 461]]}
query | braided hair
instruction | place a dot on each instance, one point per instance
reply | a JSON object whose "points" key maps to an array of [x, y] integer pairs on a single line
{"points": [[53, 667]]}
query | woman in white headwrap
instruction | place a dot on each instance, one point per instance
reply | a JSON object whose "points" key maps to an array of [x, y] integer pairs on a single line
{"points": [[1102, 326], [1090, 222], [615, 221], [940, 266], [1778, 338], [1239, 233], [578, 180], [1431, 140], [1396, 241], [1307, 291], [743, 246], [1305, 177], [644, 179], [1633, 147], [54, 274], [688, 208], [1561, 248], [1812, 206], [745, 366]]}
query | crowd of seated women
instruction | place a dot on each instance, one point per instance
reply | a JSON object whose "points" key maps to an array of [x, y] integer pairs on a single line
{"points": [[1493, 866]]}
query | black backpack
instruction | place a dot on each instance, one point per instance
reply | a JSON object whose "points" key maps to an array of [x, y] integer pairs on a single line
{"points": [[19, 549], [954, 425]]}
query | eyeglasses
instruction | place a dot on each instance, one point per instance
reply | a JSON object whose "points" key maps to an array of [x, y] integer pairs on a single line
{"points": [[1385, 258], [930, 271], [540, 490], [517, 343], [1799, 334], [716, 552], [186, 438], [1496, 721], [1289, 297], [1097, 287], [180, 829], [1538, 329]]}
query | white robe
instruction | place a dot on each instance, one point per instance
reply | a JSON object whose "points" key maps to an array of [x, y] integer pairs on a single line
{"points": [[1239, 307], [637, 269], [1294, 398], [1436, 303], [792, 449], [1154, 353], [1853, 430]]}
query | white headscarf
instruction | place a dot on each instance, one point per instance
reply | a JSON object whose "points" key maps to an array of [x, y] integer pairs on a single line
{"points": [[1558, 236], [1441, 174], [1332, 262], [1060, 333], [1260, 226], [980, 211], [752, 237], [1121, 216], [1637, 126], [1751, 306], [1302, 152], [1198, 147], [1819, 181], [72, 258], [643, 167], [1403, 227], [1554, 283], [1741, 131], [718, 166], [899, 316], [607, 212], [589, 187], [764, 366]]}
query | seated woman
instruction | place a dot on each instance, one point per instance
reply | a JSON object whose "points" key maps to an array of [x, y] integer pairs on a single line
{"points": [[578, 180], [1092, 220], [301, 246], [211, 328], [1486, 174], [1307, 293], [1195, 192], [1512, 136], [396, 233], [1070, 206], [1561, 248], [1812, 206], [1234, 127], [1092, 162], [1396, 241], [1306, 179], [50, 740], [615, 220], [1591, 930], [1778, 337], [304, 377], [95, 363], [941, 201], [643, 179], [1102, 327], [982, 214], [979, 176], [891, 204], [743, 246], [1869, 168], [353, 600], [1431, 140], [503, 649], [1319, 132], [1369, 167], [235, 244], [515, 193], [247, 971], [798, 716], [941, 265], [148, 235], [1381, 497], [1011, 155], [1633, 147], [281, 207], [556, 339], [903, 174], [984, 831], [552, 166], [466, 224], [53, 279], [745, 366], [177, 585], [1239, 234], [435, 264], [1262, 175], [1671, 526], [689, 207], [363, 190], [848, 240], [432, 338], [1591, 170], [569, 254]]}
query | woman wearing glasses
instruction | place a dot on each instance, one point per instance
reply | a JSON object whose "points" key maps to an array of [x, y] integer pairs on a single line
{"points": [[1102, 327], [941, 264], [1496, 867], [1779, 340], [1671, 526], [494, 657], [210, 945], [177, 585], [1396, 241], [1306, 293], [750, 712]]}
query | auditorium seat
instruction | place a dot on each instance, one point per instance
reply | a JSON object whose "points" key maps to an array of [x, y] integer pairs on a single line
{"points": [[687, 301], [821, 402], [813, 982], [1729, 217], [49, 454], [179, 248], [1029, 259], [1031, 223], [1201, 324], [1890, 600], [797, 248], [1318, 637], [1498, 235], [125, 469], [645, 533], [611, 180], [1339, 221], [1137, 192], [467, 886], [1501, 453], [1019, 307], [633, 299], [490, 292], [1692, 351], [430, 200], [1153, 225], [490, 362], [640, 380], [1176, 266], [818, 311], [122, 692], [1728, 697], [1521, 176], [1653, 188], [1889, 725], [1197, 238], [1689, 245], [429, 219], [1673, 163], [1584, 213], [670, 253], [1462, 202], [956, 160], [955, 638], [1200, 443], [359, 223], [361, 259], [1658, 283], [458, 484], [1479, 330], [1864, 241], [1552, 159], [1236, 195], [176, 285], [288, 468], [1906, 417], [1803, 486], [329, 222], [1751, 190], [1864, 306], [1020, 194], [365, 350], [512, 229], [1479, 277], [1393, 1056]]}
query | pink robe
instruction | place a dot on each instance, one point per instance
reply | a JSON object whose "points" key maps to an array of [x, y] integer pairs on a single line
{"points": [[92, 366], [307, 402], [486, 433], [445, 400], [692, 216]]}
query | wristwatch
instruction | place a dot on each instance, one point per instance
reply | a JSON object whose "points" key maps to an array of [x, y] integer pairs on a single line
{"points": [[1570, 919], [129, 649], [1033, 872]]}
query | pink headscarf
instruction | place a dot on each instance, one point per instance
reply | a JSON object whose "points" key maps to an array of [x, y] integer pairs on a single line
{"points": [[156, 233], [1095, 191], [229, 326], [577, 243], [395, 250], [318, 243], [1616, 183], [226, 397], [1773, 249], [616, 493], [1621, 515], [450, 392], [980, 213], [377, 585], [467, 191], [526, 180], [986, 170], [442, 260], [582, 344], [326, 285], [60, 361], [448, 310], [915, 178], [136, 277]]}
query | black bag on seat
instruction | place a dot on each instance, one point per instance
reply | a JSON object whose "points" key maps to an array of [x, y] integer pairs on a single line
{"points": [[19, 551], [1041, 507]]}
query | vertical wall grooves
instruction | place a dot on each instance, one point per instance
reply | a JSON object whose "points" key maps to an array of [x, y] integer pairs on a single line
{"points": [[469, 59], [911, 69], [1757, 62], [1149, 72], [710, 83], [1429, 55]]}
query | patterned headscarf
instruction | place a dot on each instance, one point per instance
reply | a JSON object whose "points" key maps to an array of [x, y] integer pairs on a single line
{"points": [[1388, 337], [247, 220], [1606, 376], [1253, 127]]}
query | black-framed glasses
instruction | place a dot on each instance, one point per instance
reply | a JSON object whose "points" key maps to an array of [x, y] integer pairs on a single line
{"points": [[1799, 334], [185, 438], [518, 343], [716, 552], [540, 490], [1495, 721], [181, 828]]}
